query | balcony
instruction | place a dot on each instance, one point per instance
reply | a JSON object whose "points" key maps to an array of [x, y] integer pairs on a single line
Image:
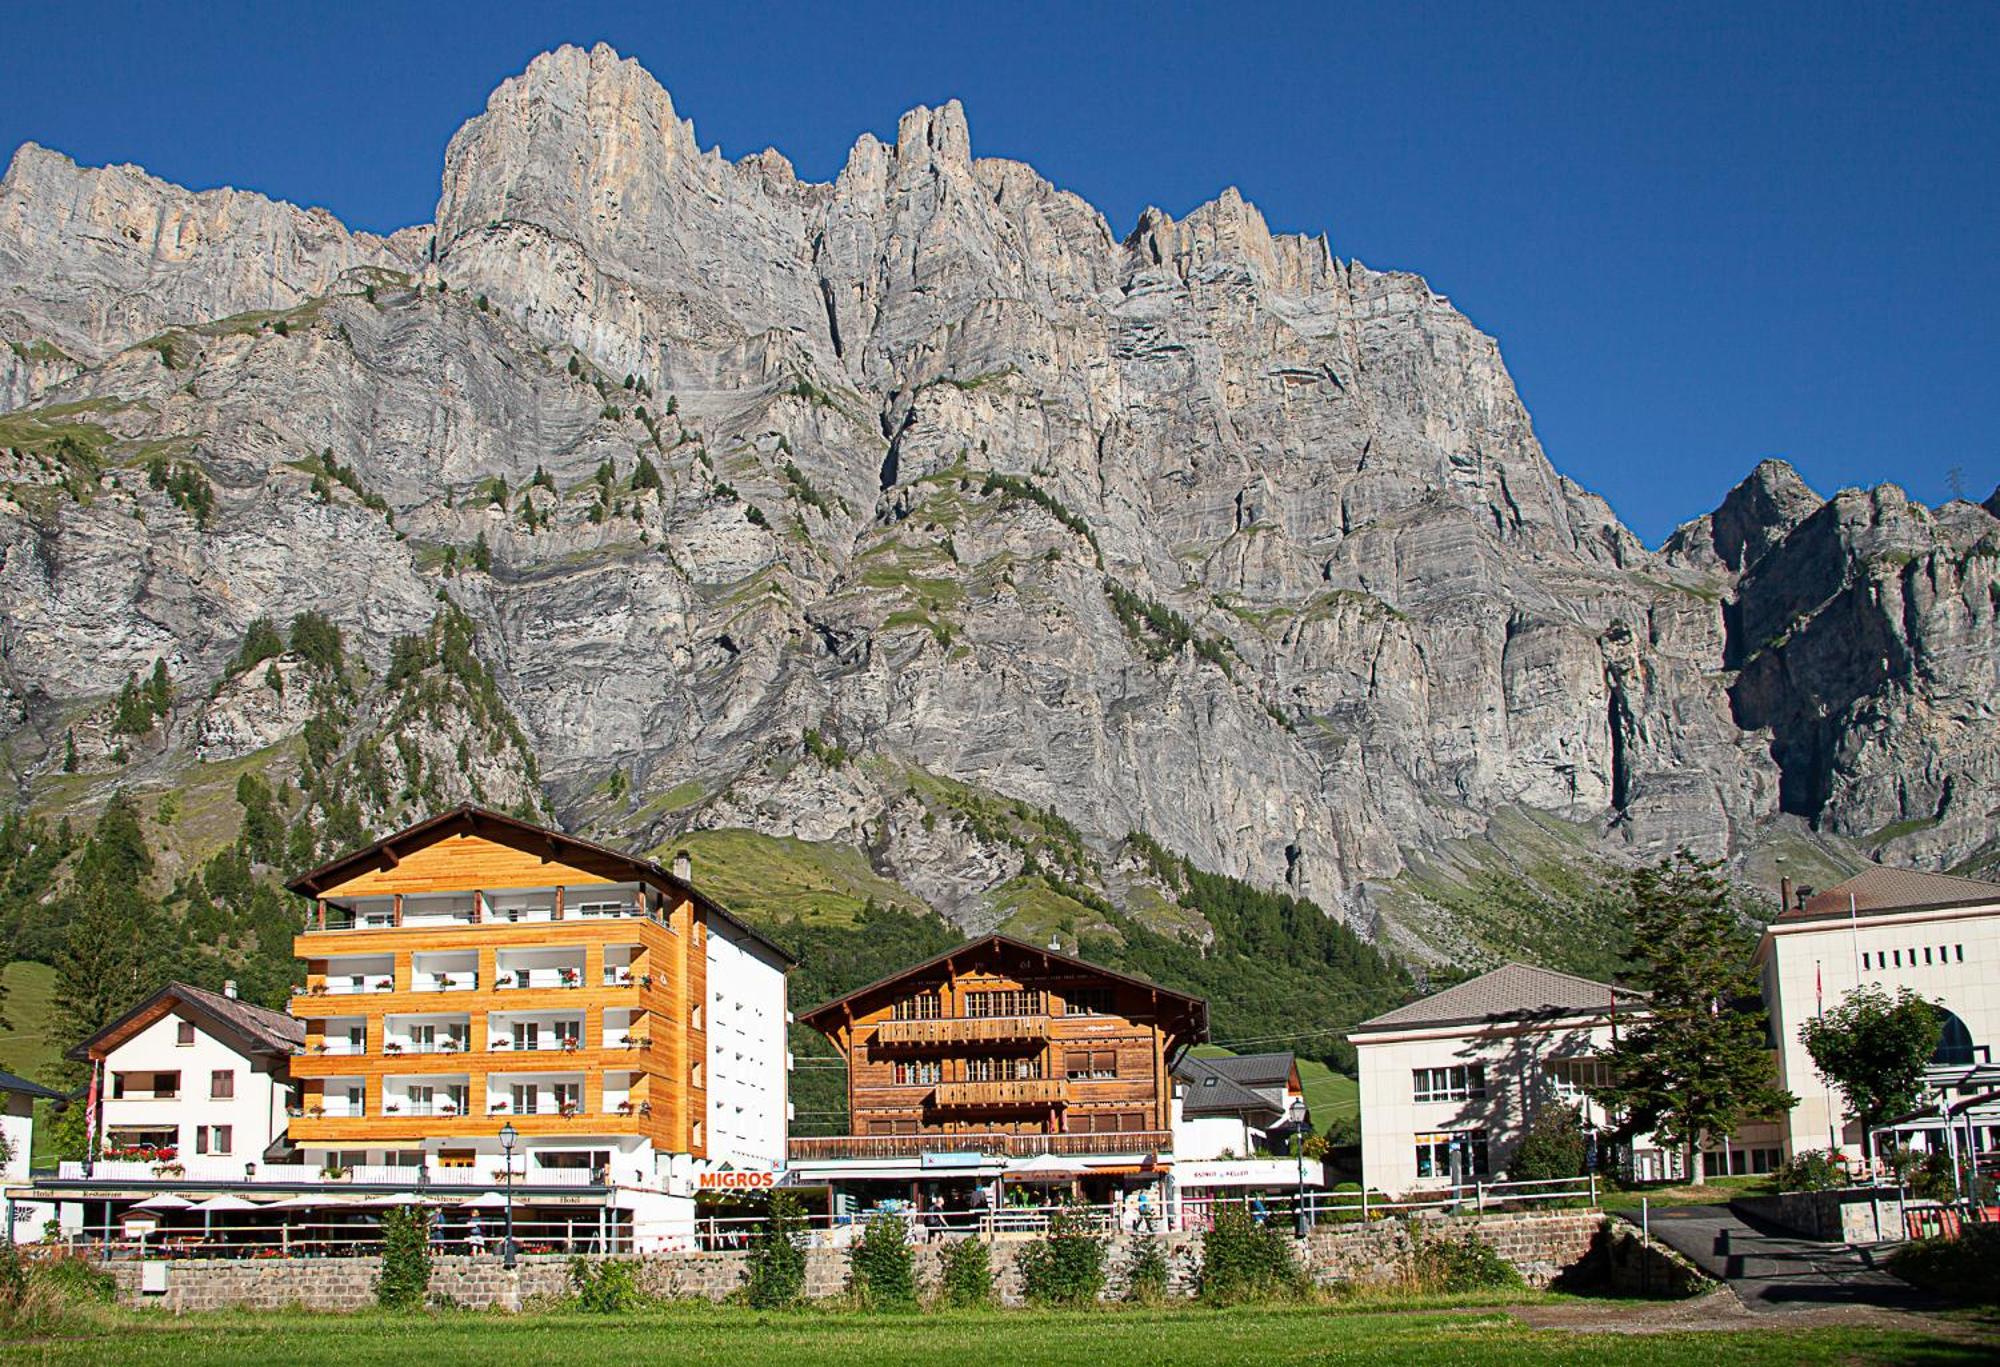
{"points": [[444, 982], [959, 1096], [521, 979], [1136, 1143], [349, 987], [926, 1034]]}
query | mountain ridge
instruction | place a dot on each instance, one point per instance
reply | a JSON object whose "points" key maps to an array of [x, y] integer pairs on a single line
{"points": [[1201, 534]]}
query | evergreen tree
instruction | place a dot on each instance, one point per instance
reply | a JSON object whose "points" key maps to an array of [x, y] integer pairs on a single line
{"points": [[317, 639], [645, 475], [482, 555], [134, 713], [1873, 1048], [1697, 1066], [159, 690], [69, 752], [111, 952]]}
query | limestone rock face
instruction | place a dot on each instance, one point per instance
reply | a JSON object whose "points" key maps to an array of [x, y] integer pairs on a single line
{"points": [[861, 511]]}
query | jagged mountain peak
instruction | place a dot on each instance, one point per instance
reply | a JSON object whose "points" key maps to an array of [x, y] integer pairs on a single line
{"points": [[861, 513]]}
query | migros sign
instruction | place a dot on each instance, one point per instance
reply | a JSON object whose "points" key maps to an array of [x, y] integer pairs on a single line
{"points": [[736, 1181]]}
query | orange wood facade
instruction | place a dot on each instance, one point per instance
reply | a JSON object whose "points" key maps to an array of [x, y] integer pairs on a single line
{"points": [[1001, 1038], [666, 932]]}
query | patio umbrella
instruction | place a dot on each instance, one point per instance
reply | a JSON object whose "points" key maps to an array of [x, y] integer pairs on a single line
{"points": [[222, 1203], [490, 1200], [1045, 1167], [166, 1200]]}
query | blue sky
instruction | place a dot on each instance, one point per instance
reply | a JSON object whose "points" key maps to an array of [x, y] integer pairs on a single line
{"points": [[1704, 234]]}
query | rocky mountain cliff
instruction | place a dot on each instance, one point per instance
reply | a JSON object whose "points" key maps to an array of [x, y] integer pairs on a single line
{"points": [[922, 514]]}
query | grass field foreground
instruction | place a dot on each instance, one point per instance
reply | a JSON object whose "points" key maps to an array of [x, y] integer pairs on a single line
{"points": [[1183, 1336]]}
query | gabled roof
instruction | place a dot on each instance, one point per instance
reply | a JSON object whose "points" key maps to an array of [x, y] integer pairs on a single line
{"points": [[1212, 1091], [253, 1031], [1197, 1007], [472, 817], [1881, 890], [1257, 1070], [1512, 992], [9, 1082]]}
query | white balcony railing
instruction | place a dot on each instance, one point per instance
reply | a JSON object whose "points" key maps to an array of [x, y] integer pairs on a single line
{"points": [[348, 987], [452, 1045], [340, 1046], [540, 1044], [519, 978], [466, 981]]}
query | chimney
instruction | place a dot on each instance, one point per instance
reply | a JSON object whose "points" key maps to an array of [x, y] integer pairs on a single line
{"points": [[1785, 893], [229, 989], [683, 866]]}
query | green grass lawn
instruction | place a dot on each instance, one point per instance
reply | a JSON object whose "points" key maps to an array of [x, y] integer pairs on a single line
{"points": [[28, 1045], [1714, 1192], [1185, 1337], [765, 878]]}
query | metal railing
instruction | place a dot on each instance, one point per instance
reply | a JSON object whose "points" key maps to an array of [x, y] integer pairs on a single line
{"points": [[517, 979], [1003, 1145]]}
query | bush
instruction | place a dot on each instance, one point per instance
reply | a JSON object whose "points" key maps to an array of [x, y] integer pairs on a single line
{"points": [[777, 1263], [1146, 1272], [881, 1267], [968, 1274], [1813, 1170], [1242, 1260], [406, 1258], [1554, 1146], [50, 1298], [1966, 1268], [605, 1288], [1467, 1263], [1066, 1267]]}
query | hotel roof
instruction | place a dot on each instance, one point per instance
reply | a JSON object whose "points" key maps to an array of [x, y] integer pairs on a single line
{"points": [[1880, 890], [1512, 992]]}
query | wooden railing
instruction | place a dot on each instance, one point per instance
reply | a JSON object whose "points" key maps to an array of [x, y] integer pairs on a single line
{"points": [[962, 1030], [1040, 1091], [1134, 1143]]}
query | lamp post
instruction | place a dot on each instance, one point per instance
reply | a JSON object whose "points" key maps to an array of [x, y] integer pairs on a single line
{"points": [[1297, 1119], [508, 1134]]}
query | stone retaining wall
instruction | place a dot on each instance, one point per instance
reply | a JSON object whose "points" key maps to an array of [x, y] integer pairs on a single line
{"points": [[1541, 1246]]}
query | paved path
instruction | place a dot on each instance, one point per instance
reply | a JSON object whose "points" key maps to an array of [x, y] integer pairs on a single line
{"points": [[1772, 1270]]}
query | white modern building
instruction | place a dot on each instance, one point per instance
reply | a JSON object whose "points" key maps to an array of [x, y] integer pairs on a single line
{"points": [[1936, 934], [1449, 1084]]}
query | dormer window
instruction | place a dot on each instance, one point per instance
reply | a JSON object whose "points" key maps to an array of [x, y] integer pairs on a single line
{"points": [[184, 1033]]}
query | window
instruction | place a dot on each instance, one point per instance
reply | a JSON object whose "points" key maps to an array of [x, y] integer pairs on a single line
{"points": [[213, 1139], [1927, 956], [1106, 1122], [527, 1034], [526, 1098], [923, 1006], [920, 1072], [1090, 1064], [1958, 953], [184, 1033], [569, 1034], [568, 1096], [1461, 1082], [1435, 1153], [222, 1084], [1024, 1002], [892, 1127], [694, 1017], [457, 1158], [1087, 1001], [1899, 958], [985, 1069]]}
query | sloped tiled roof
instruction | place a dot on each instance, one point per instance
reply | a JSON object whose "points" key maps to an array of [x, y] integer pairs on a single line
{"points": [[1211, 1091], [1512, 992], [274, 1030], [243, 1025], [1255, 1070], [9, 1082], [1883, 889]]}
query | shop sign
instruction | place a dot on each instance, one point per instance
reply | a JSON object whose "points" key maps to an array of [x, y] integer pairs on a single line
{"points": [[750, 1180]]}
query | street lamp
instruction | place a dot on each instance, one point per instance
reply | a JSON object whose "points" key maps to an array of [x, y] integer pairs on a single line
{"points": [[1296, 1118], [508, 1136]]}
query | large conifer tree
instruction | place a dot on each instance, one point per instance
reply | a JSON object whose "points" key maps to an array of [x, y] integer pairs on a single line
{"points": [[1698, 1065]]}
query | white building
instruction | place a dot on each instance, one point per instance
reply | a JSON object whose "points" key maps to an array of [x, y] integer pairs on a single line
{"points": [[191, 1074], [749, 1112], [1450, 1083], [1935, 934], [1234, 1107], [23, 1219]]}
